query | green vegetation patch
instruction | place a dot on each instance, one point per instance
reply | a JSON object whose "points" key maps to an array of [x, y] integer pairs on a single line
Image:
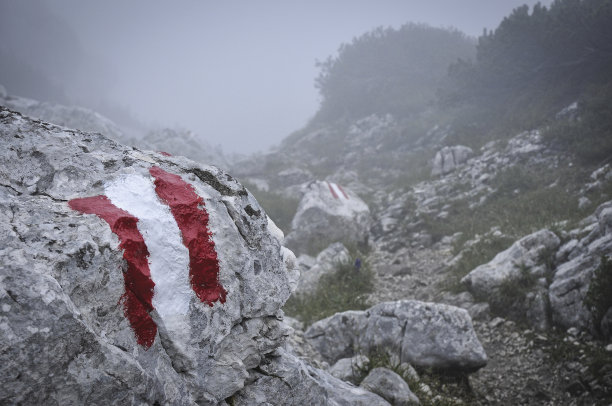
{"points": [[344, 289], [526, 199], [472, 256], [599, 296]]}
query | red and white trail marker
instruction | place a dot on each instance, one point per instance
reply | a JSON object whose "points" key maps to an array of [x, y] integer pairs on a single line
{"points": [[337, 191], [163, 230]]}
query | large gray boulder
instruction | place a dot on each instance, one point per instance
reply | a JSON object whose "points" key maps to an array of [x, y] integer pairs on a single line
{"points": [[427, 335], [514, 282], [390, 386], [130, 277], [560, 274], [284, 379], [327, 213], [527, 253], [577, 261]]}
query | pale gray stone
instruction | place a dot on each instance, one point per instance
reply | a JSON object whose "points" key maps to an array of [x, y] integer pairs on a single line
{"points": [[63, 334], [390, 386], [349, 369], [322, 219], [448, 158], [572, 277], [283, 379], [422, 334], [527, 252]]}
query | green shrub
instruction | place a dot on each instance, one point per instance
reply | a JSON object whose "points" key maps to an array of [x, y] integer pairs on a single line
{"points": [[344, 289], [526, 199]]}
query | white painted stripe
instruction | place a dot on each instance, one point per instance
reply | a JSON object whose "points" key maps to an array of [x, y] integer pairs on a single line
{"points": [[339, 193], [168, 257]]}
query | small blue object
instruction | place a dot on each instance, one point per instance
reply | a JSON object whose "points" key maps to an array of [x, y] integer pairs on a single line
{"points": [[357, 264]]}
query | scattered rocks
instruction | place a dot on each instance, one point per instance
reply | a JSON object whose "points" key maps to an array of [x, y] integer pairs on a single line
{"points": [[283, 379], [448, 158]]}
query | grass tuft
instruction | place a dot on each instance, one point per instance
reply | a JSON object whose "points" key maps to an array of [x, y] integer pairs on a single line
{"points": [[343, 289]]}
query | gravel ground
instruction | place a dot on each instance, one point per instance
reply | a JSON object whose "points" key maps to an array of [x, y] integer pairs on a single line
{"points": [[525, 367]]}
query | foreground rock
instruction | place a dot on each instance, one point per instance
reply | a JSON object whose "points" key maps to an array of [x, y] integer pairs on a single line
{"points": [[130, 277], [426, 335], [327, 213], [390, 386], [283, 379]]}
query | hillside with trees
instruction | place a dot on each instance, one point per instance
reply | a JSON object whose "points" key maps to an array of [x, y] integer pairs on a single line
{"points": [[388, 70], [533, 65]]}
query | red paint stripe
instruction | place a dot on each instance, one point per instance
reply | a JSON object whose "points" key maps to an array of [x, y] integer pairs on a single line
{"points": [[192, 220], [138, 296], [164, 153], [343, 192], [331, 189]]}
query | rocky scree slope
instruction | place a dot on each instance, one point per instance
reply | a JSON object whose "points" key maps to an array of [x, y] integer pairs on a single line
{"points": [[516, 194], [490, 208], [102, 300]]}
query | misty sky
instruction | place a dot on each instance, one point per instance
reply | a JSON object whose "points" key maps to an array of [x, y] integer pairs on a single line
{"points": [[240, 73]]}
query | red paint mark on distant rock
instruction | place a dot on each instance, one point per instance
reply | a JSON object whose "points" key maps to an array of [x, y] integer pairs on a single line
{"points": [[138, 296], [164, 153], [331, 189], [343, 192], [192, 220]]}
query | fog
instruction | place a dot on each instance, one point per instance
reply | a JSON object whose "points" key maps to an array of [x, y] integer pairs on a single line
{"points": [[240, 73]]}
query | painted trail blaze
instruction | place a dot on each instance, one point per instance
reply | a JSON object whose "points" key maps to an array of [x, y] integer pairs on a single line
{"points": [[337, 191], [193, 222], [187, 209], [138, 296]]}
